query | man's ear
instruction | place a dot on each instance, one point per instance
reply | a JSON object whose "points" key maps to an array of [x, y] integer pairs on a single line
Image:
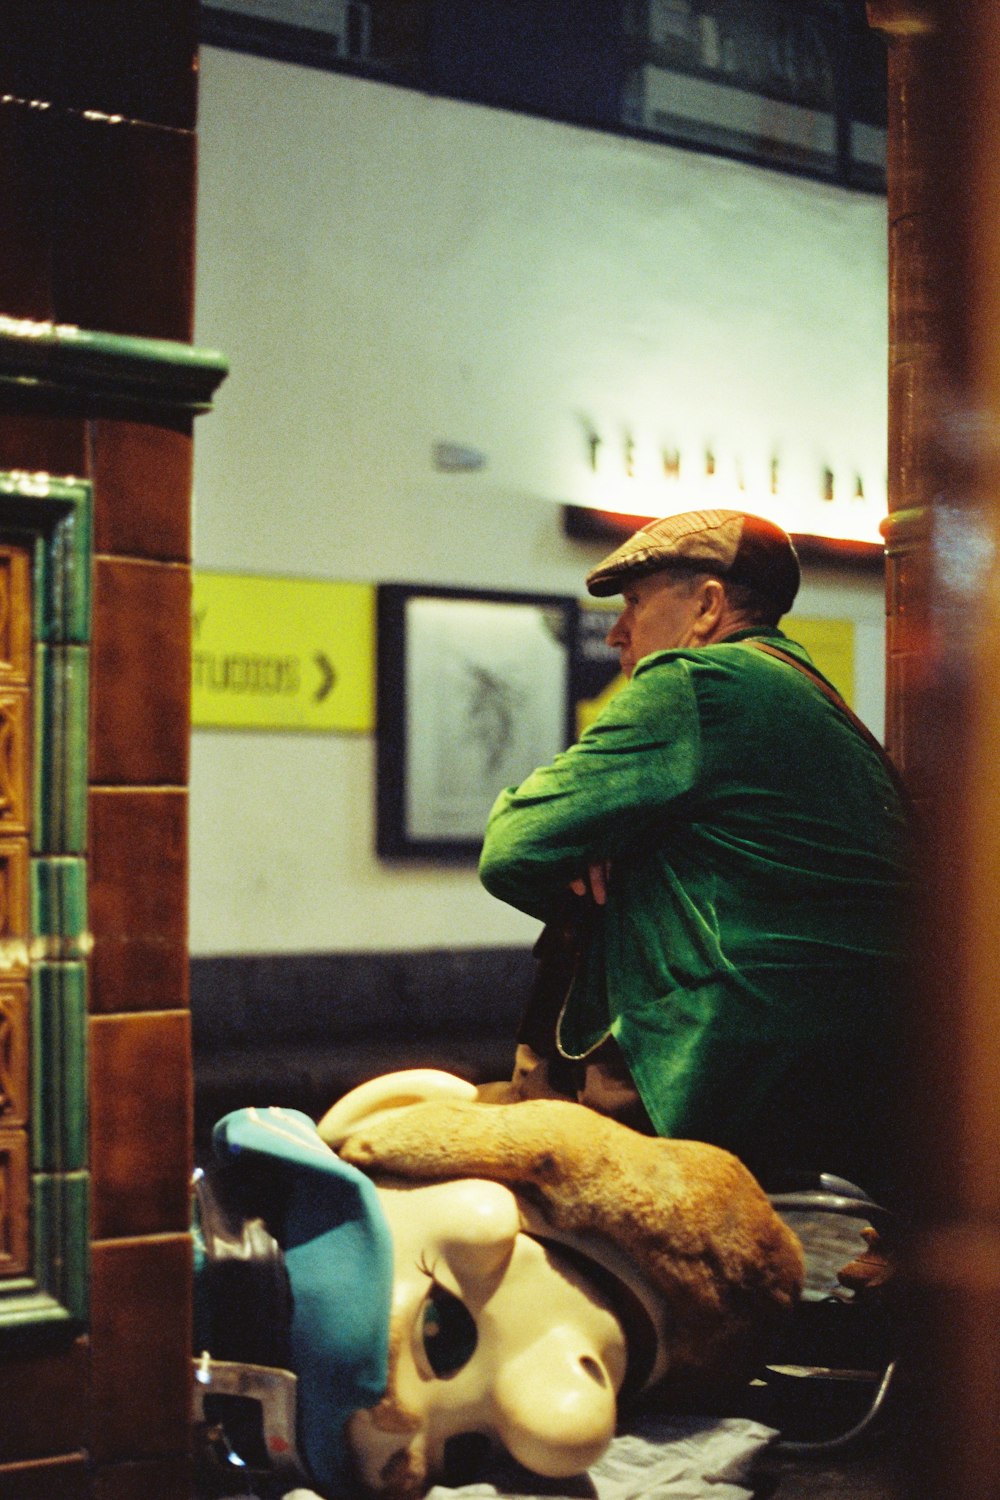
{"points": [[386, 1094], [711, 607]]}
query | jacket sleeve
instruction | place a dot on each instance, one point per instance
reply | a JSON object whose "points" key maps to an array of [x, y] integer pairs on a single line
{"points": [[602, 798]]}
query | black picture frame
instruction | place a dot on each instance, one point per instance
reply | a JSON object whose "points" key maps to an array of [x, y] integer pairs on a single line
{"points": [[475, 687]]}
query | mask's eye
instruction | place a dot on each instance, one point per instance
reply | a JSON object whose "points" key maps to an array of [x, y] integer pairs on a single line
{"points": [[449, 1332]]}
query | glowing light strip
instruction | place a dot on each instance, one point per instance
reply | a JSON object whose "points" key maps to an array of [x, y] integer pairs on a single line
{"points": [[843, 504]]}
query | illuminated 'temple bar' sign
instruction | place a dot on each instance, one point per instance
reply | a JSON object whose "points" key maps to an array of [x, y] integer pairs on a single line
{"points": [[838, 513]]}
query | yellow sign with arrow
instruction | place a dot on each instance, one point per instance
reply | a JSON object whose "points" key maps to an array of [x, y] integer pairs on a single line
{"points": [[282, 653]]}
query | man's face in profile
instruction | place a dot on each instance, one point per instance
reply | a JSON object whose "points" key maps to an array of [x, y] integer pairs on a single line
{"points": [[658, 615]]}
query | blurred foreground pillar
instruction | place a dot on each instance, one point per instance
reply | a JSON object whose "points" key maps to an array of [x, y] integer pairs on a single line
{"points": [[944, 702]]}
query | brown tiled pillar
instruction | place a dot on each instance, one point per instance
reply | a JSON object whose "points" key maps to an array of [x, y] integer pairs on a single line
{"points": [[944, 623], [97, 178]]}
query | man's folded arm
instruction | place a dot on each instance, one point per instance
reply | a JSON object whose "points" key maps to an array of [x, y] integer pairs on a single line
{"points": [[597, 801]]}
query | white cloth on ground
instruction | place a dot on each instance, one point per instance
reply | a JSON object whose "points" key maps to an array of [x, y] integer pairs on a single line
{"points": [[659, 1458]]}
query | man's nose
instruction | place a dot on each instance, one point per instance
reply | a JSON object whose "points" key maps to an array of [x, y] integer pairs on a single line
{"points": [[617, 635]]}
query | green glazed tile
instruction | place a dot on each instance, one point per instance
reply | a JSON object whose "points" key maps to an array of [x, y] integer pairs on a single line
{"points": [[61, 1249], [43, 709], [58, 907], [44, 599], [59, 794], [63, 557], [78, 531], [54, 514], [29, 1312], [74, 767], [59, 1067], [121, 367], [75, 1244]]}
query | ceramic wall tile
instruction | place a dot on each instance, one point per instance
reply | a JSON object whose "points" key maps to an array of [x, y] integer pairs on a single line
{"points": [[130, 57], [138, 899], [43, 441], [59, 907], [46, 575], [66, 1478], [60, 1214], [140, 1348], [142, 489], [141, 673], [59, 780], [44, 1404], [63, 566], [26, 226], [58, 1071], [123, 250], [140, 1123]]}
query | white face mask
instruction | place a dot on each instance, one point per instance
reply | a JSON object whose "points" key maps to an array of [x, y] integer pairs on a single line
{"points": [[493, 1334], [499, 1336]]}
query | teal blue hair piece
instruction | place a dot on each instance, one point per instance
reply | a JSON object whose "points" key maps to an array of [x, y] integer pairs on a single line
{"points": [[337, 1251]]}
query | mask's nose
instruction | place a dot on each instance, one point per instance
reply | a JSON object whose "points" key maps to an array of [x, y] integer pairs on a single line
{"points": [[555, 1405], [476, 1232]]}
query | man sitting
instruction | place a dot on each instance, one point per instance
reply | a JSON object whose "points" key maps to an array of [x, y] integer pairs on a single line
{"points": [[741, 841]]}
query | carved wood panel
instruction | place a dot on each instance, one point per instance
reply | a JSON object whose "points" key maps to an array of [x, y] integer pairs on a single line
{"points": [[15, 614], [15, 720], [14, 1098], [14, 1203], [14, 910]]}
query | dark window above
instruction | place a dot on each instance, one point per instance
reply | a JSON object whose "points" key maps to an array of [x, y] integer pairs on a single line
{"points": [[794, 84]]}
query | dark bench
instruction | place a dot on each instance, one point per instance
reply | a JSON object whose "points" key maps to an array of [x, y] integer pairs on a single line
{"points": [[299, 1030]]}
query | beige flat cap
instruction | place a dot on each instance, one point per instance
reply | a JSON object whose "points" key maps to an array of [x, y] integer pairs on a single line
{"points": [[732, 543]]}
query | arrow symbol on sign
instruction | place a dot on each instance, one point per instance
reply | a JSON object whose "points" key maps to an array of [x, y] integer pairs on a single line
{"points": [[328, 674]]}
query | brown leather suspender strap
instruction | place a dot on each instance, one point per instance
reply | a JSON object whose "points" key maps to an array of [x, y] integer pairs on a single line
{"points": [[838, 702]]}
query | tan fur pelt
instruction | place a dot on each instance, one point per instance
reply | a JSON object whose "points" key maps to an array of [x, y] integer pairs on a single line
{"points": [[690, 1216]]}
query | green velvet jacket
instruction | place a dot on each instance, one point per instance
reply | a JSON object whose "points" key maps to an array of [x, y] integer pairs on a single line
{"points": [[745, 959]]}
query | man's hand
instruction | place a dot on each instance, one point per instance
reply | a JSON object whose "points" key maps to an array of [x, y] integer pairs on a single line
{"points": [[595, 882]]}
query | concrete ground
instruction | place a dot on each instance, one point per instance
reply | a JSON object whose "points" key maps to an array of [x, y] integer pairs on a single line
{"points": [[872, 1475]]}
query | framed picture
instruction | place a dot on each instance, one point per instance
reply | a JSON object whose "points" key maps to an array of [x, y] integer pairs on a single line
{"points": [[475, 689]]}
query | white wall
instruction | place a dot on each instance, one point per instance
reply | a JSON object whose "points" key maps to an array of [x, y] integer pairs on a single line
{"points": [[385, 270]]}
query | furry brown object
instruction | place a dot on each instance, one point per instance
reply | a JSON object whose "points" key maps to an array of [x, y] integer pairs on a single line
{"points": [[689, 1219]]}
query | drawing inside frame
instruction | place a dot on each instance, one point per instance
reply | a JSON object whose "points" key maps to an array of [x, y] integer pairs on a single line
{"points": [[475, 689]]}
